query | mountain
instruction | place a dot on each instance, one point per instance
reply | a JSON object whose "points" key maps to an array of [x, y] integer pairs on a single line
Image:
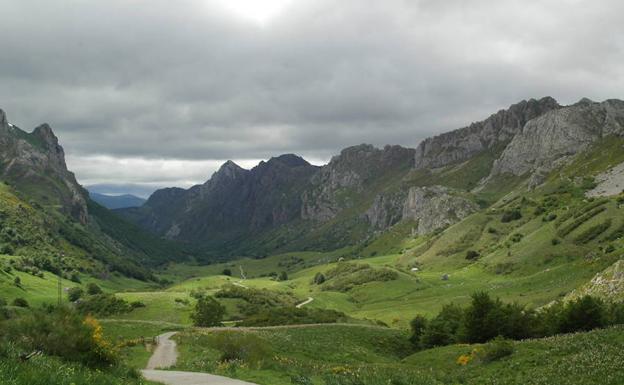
{"points": [[44, 212], [117, 201], [35, 164], [233, 204], [287, 204]]}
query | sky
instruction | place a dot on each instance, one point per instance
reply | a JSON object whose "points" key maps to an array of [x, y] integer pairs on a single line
{"points": [[145, 94]]}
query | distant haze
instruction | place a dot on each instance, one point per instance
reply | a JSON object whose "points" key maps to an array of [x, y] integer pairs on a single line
{"points": [[154, 93]]}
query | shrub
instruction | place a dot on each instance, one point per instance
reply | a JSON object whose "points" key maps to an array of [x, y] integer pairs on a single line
{"points": [[74, 294], [498, 348], [3, 302], [583, 314], [593, 232], [444, 328], [555, 241], [227, 272], [293, 316], [93, 289], [20, 302], [549, 217], [472, 255], [511, 215], [246, 347], [418, 325], [136, 304], [283, 276], [319, 278], [103, 305], [208, 312], [64, 333], [17, 281]]}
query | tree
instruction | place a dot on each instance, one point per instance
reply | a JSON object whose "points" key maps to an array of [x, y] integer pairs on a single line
{"points": [[418, 326], [484, 318], [93, 289], [319, 278], [583, 314], [208, 312], [283, 276], [444, 328], [74, 294]]}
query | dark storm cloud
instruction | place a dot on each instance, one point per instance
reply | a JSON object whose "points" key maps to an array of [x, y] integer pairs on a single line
{"points": [[143, 83]]}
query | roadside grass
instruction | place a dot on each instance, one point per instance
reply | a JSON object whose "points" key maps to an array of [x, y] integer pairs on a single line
{"points": [[336, 354]]}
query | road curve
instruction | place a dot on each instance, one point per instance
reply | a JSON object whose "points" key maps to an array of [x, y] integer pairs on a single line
{"points": [[166, 356]]}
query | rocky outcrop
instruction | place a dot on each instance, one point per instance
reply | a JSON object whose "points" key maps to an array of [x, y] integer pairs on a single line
{"points": [[608, 183], [35, 164], [608, 284], [554, 137], [464, 143], [435, 207], [386, 210], [347, 177]]}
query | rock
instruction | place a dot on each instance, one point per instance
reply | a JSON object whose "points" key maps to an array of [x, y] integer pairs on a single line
{"points": [[464, 143], [35, 162], [609, 183], [435, 207], [339, 184], [553, 138]]}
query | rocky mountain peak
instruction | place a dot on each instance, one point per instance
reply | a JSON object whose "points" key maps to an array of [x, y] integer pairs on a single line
{"points": [[229, 170], [464, 143], [45, 133], [289, 160]]}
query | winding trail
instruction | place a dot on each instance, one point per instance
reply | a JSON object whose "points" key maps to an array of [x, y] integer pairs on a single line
{"points": [[310, 299], [166, 356]]}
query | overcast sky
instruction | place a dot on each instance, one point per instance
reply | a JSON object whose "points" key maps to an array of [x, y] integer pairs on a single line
{"points": [[151, 93]]}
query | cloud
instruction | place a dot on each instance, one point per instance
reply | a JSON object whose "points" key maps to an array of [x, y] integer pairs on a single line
{"points": [[188, 84]]}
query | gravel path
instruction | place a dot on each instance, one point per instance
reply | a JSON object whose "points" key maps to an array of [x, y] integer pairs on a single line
{"points": [[170, 377], [165, 354]]}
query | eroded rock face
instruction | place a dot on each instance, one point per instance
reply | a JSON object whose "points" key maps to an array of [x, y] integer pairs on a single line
{"points": [[464, 143], [36, 163], [553, 138], [335, 186], [435, 207]]}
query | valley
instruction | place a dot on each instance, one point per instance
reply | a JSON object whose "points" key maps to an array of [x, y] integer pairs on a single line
{"points": [[315, 275]]}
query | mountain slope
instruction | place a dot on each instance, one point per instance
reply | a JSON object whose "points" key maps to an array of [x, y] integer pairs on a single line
{"points": [[116, 201], [365, 191]]}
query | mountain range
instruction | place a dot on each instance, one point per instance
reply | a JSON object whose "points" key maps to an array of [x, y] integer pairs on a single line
{"points": [[116, 201], [287, 204]]}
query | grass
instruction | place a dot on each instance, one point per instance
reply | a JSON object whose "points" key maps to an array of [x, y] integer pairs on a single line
{"points": [[374, 356]]}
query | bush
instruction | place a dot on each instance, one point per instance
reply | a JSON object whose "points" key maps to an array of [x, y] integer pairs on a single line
{"points": [[583, 314], [593, 232], [227, 272], [293, 316], [64, 333], [20, 302], [74, 294], [511, 215], [498, 348], [283, 276], [555, 241], [418, 325], [246, 347], [103, 305], [93, 289], [319, 278], [472, 255], [17, 281], [444, 328], [208, 312]]}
